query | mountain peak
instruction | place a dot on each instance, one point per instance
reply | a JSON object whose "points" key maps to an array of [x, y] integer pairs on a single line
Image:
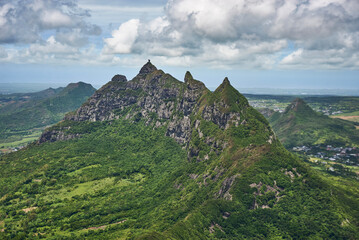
{"points": [[230, 96], [226, 81], [147, 68], [225, 85], [299, 105], [188, 77], [192, 83]]}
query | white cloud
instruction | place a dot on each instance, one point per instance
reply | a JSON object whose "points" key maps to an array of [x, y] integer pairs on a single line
{"points": [[246, 33], [51, 46], [232, 33], [123, 38], [293, 57], [55, 19], [24, 21]]}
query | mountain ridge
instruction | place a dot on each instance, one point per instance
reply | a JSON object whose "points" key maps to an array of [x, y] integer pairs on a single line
{"points": [[43, 108], [158, 158]]}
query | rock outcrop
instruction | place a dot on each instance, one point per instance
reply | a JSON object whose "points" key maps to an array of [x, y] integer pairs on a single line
{"points": [[161, 100]]}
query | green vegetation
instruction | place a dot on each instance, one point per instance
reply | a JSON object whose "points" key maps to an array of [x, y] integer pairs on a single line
{"points": [[299, 125], [23, 116], [125, 179], [15, 141]]}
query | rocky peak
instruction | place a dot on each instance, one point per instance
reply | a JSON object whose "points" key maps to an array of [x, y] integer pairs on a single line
{"points": [[188, 77], [119, 78], [226, 81], [147, 68], [160, 100], [192, 83]]}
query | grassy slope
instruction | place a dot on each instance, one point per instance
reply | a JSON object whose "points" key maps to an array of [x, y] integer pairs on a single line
{"points": [[304, 126], [130, 172]]}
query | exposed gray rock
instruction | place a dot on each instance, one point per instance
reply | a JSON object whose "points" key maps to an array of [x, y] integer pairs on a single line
{"points": [[226, 187], [160, 101], [223, 120], [119, 78], [55, 135], [148, 68]]}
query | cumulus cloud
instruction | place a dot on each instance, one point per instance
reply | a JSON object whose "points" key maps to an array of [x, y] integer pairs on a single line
{"points": [[248, 33], [239, 33], [123, 38], [72, 38], [23, 21], [293, 57]]}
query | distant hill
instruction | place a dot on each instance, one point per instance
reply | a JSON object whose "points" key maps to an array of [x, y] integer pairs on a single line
{"points": [[299, 124], [22, 112]]}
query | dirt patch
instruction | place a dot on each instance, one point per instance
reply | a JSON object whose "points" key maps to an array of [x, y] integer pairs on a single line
{"points": [[26, 210], [105, 226], [349, 118]]}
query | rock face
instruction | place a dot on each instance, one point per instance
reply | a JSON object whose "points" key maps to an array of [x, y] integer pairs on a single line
{"points": [[53, 136], [161, 100], [119, 78]]}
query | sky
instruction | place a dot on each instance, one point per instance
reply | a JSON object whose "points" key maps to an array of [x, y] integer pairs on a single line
{"points": [[287, 44]]}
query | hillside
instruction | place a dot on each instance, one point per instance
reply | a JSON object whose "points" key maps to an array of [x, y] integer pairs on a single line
{"points": [[157, 158], [21, 113], [300, 125]]}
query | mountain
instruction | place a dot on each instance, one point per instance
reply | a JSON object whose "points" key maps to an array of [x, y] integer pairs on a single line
{"points": [[158, 158], [300, 125], [11, 102], [23, 112]]}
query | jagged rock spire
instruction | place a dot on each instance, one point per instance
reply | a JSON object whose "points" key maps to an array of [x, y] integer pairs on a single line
{"points": [[226, 81], [192, 83], [147, 68], [188, 77]]}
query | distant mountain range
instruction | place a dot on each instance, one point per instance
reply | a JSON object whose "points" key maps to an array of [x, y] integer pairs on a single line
{"points": [[300, 125], [158, 158], [24, 111], [300, 92]]}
